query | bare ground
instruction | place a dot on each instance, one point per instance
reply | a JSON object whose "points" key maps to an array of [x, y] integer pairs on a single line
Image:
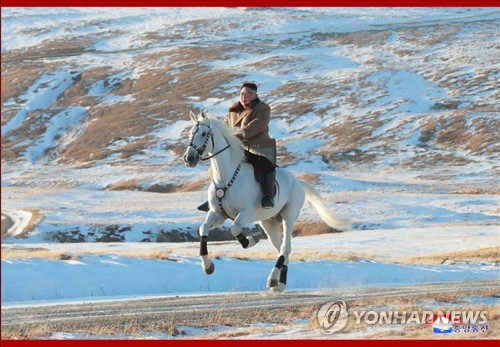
{"points": [[240, 313]]}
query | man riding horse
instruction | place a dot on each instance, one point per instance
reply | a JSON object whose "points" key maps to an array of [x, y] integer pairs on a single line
{"points": [[252, 116], [234, 194]]}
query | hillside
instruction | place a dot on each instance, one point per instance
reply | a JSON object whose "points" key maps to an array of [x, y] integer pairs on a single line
{"points": [[392, 100]]}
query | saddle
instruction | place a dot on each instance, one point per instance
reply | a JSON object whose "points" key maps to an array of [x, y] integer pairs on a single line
{"points": [[266, 148]]}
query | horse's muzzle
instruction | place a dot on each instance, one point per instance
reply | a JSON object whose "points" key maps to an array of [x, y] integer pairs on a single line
{"points": [[191, 158]]}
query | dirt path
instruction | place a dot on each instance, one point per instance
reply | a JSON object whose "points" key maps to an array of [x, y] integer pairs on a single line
{"points": [[166, 313]]}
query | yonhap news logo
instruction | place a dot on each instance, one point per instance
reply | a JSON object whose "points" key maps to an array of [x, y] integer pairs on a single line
{"points": [[334, 316]]}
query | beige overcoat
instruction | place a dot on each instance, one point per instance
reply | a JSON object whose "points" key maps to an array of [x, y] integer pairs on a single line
{"points": [[254, 122]]}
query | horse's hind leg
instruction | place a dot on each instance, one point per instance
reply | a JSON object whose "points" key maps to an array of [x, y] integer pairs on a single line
{"points": [[272, 229], [278, 274], [277, 278]]}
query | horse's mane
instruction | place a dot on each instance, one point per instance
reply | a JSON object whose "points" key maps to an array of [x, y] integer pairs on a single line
{"points": [[229, 133]]}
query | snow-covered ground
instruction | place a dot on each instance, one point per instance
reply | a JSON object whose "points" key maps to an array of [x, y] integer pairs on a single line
{"points": [[92, 277], [97, 270]]}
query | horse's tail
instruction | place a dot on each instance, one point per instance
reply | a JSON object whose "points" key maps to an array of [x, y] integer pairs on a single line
{"points": [[317, 201]]}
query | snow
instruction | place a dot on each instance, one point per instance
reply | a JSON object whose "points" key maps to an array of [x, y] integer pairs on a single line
{"points": [[43, 93], [65, 124], [408, 90], [396, 214], [20, 220], [97, 277], [94, 272]]}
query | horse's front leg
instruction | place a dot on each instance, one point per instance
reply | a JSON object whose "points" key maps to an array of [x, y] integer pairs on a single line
{"points": [[212, 221], [245, 217]]}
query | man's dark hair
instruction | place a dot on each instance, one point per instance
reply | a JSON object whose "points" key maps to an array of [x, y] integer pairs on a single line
{"points": [[251, 86]]}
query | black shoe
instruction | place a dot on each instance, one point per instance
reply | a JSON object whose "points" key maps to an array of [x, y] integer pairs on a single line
{"points": [[205, 207], [267, 201], [268, 188]]}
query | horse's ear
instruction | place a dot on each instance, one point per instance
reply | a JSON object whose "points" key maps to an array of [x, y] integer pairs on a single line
{"points": [[193, 116], [204, 114]]}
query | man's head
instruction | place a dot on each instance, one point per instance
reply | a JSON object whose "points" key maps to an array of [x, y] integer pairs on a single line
{"points": [[248, 93]]}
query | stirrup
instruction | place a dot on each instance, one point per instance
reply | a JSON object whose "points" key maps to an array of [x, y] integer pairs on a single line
{"points": [[205, 207]]}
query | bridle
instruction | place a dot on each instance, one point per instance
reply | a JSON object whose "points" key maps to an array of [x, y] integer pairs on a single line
{"points": [[210, 135], [219, 192]]}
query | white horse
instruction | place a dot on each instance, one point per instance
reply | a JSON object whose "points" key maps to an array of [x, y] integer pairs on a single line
{"points": [[234, 193]]}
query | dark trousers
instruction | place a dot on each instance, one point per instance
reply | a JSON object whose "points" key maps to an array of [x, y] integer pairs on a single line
{"points": [[259, 161]]}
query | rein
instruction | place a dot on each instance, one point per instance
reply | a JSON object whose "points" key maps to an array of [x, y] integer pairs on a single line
{"points": [[201, 149], [213, 155]]}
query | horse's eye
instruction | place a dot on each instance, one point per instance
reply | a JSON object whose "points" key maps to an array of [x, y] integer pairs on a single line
{"points": [[203, 134]]}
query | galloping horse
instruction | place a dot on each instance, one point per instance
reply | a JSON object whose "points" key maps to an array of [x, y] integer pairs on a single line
{"points": [[234, 193]]}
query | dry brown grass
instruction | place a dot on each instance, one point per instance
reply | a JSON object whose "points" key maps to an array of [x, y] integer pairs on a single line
{"points": [[485, 255], [311, 228], [132, 184], [48, 48], [160, 85], [106, 329], [276, 320], [357, 39], [16, 78], [452, 130], [118, 121], [488, 255], [482, 138], [255, 253], [283, 157], [309, 177], [428, 131], [25, 253], [428, 36], [136, 185], [172, 325], [299, 107], [349, 135], [477, 191], [307, 256], [191, 186], [162, 93]]}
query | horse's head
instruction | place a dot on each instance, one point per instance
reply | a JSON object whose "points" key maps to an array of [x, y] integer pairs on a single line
{"points": [[201, 139]]}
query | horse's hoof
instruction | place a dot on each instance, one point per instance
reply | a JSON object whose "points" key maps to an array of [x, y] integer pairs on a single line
{"points": [[272, 283], [280, 288], [210, 269], [252, 241]]}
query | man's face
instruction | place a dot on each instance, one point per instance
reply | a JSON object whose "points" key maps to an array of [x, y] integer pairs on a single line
{"points": [[247, 95]]}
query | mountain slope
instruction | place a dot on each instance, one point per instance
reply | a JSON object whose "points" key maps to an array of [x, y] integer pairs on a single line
{"points": [[397, 100]]}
